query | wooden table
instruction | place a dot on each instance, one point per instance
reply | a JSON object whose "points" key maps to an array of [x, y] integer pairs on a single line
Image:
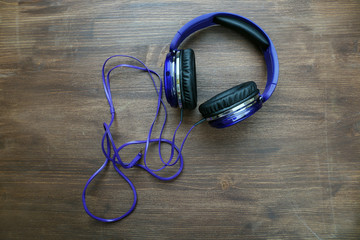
{"points": [[291, 171]]}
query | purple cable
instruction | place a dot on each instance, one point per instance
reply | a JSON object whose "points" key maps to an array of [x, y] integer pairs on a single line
{"points": [[108, 144]]}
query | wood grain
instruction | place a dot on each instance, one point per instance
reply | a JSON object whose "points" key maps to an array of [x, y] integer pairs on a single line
{"points": [[291, 171]]}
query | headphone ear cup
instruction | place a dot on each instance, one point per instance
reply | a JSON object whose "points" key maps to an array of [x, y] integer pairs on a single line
{"points": [[188, 79], [228, 99]]}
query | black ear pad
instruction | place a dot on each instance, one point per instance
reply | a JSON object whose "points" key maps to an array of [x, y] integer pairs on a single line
{"points": [[228, 99], [188, 79]]}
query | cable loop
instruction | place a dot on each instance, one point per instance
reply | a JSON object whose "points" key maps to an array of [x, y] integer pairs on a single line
{"points": [[111, 152]]}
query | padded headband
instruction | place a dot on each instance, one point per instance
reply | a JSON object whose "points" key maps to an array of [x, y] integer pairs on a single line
{"points": [[244, 26]]}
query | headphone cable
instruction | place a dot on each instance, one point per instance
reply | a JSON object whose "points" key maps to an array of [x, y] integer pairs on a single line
{"points": [[109, 147]]}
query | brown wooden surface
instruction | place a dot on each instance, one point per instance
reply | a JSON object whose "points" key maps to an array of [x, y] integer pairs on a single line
{"points": [[289, 172]]}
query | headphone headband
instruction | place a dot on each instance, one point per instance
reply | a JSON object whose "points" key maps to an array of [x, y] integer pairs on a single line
{"points": [[243, 26]]}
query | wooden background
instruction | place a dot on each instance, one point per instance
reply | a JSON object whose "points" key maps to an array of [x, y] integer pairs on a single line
{"points": [[291, 171]]}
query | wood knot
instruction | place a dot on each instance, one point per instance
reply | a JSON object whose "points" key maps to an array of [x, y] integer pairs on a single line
{"points": [[226, 182]]}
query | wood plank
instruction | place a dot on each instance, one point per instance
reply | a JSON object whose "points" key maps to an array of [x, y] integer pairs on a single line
{"points": [[291, 171]]}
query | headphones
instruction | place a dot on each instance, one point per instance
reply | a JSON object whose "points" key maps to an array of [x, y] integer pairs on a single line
{"points": [[222, 110], [233, 105]]}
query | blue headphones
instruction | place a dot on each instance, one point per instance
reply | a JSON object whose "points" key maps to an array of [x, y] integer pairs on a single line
{"points": [[222, 110], [233, 105]]}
